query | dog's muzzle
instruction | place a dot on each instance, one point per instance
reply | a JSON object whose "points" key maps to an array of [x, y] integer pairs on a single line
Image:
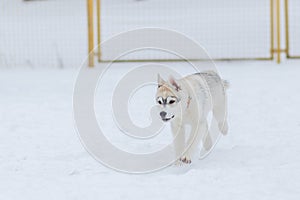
{"points": [[163, 115]]}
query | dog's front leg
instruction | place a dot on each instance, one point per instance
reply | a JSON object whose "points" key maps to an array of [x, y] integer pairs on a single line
{"points": [[197, 132], [178, 132]]}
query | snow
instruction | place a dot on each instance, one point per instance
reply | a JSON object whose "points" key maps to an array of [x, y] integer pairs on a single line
{"points": [[42, 157]]}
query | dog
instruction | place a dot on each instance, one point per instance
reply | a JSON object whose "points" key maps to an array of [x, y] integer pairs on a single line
{"points": [[188, 101]]}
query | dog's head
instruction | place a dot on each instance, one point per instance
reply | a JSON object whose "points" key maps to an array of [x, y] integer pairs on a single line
{"points": [[168, 97]]}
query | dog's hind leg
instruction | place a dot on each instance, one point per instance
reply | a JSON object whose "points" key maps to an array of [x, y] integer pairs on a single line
{"points": [[220, 114], [207, 141]]}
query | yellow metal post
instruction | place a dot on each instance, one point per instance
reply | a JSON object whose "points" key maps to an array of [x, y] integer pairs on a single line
{"points": [[287, 34], [90, 32], [278, 31], [99, 29]]}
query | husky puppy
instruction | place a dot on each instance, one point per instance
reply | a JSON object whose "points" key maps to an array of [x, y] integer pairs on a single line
{"points": [[188, 101]]}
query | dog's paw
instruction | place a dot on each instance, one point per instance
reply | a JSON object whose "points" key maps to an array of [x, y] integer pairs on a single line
{"points": [[186, 160]]}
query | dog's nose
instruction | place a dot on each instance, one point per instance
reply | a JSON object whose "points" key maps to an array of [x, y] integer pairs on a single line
{"points": [[163, 114]]}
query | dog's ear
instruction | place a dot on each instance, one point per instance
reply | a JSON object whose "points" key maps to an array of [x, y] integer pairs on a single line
{"points": [[174, 83], [160, 81]]}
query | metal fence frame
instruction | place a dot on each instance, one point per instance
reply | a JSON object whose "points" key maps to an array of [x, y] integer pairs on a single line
{"points": [[275, 46]]}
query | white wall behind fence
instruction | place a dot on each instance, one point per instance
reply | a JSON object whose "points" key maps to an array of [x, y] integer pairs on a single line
{"points": [[48, 33]]}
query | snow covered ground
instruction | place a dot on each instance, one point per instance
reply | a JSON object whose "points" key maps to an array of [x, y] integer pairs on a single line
{"points": [[42, 157]]}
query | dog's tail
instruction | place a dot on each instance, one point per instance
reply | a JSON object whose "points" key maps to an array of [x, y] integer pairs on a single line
{"points": [[226, 84]]}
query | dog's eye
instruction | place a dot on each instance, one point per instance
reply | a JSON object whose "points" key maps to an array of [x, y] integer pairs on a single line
{"points": [[159, 100], [172, 101]]}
